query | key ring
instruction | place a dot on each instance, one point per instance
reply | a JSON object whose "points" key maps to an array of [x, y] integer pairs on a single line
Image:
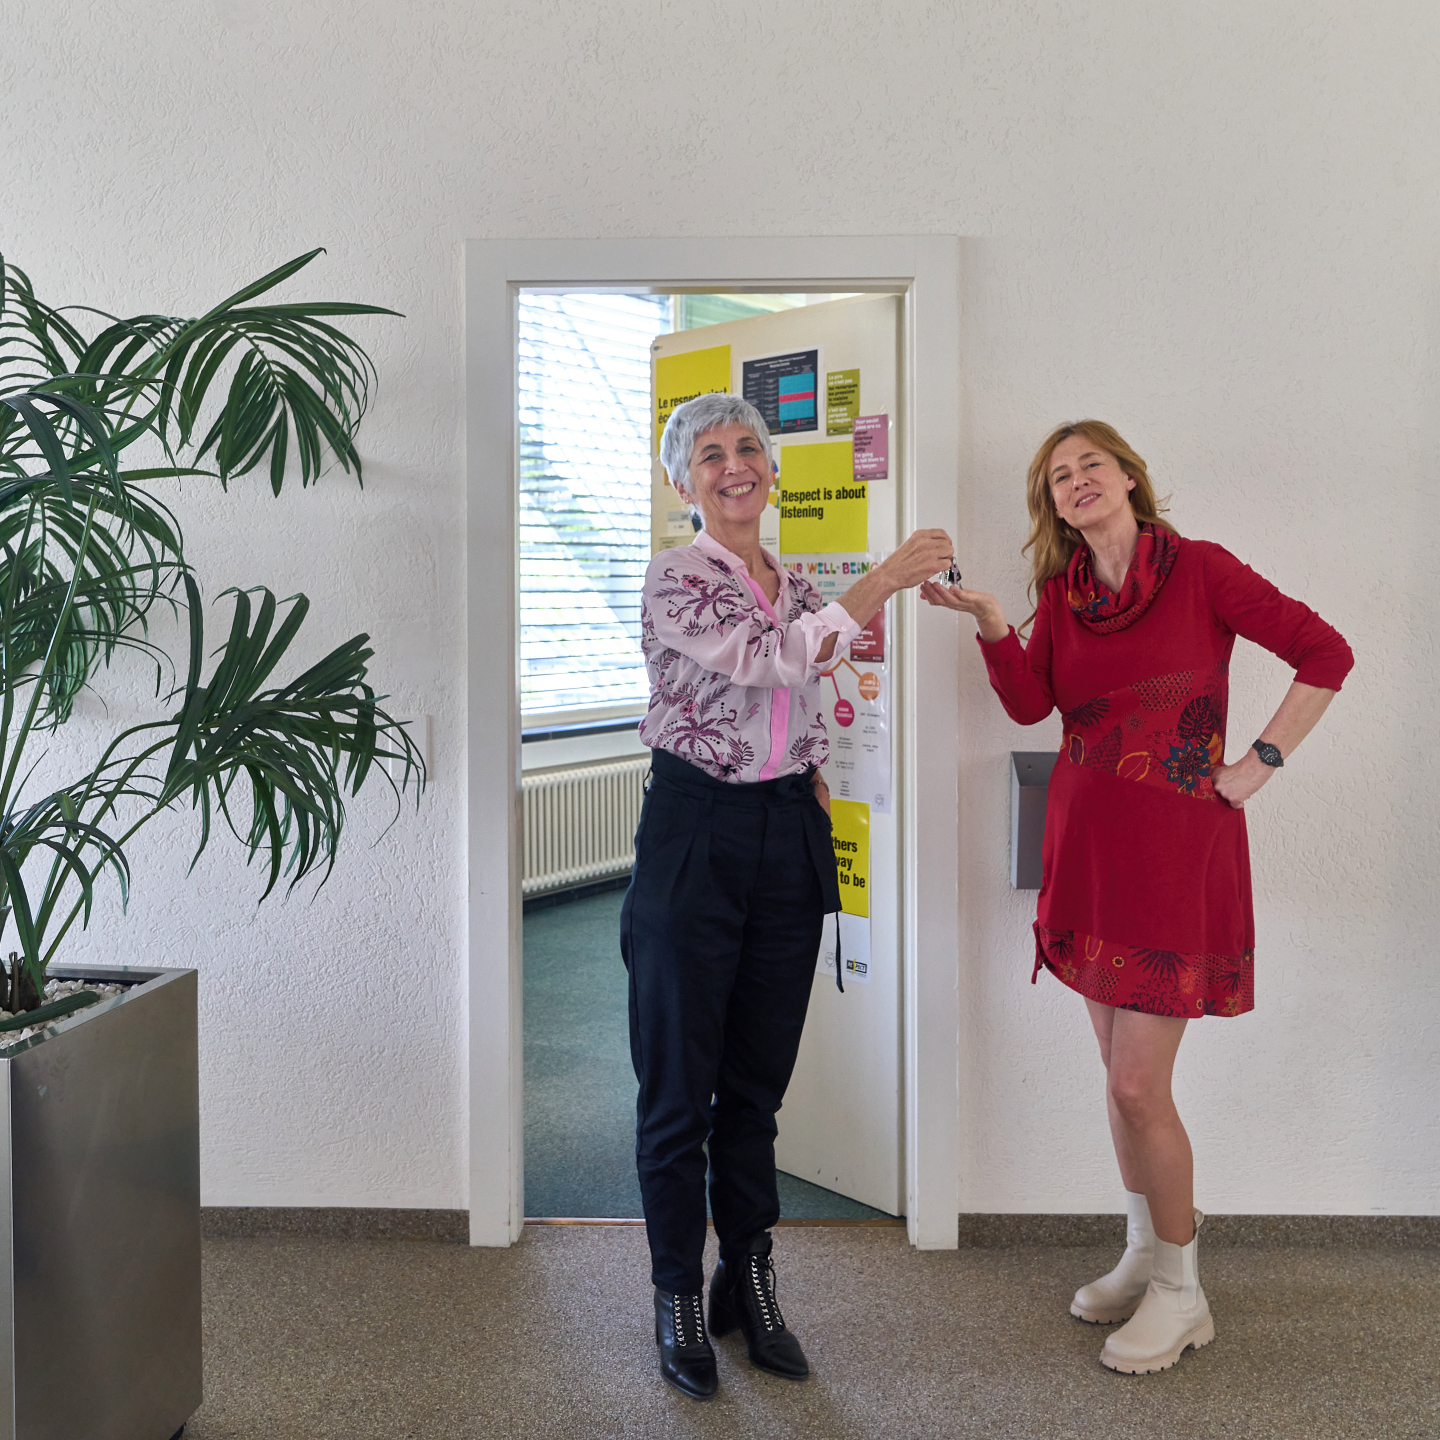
{"points": [[947, 577]]}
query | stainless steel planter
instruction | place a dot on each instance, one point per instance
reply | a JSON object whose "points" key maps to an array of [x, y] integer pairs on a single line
{"points": [[100, 1217]]}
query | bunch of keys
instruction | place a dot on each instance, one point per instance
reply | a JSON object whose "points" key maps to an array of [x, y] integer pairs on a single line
{"points": [[947, 577]]}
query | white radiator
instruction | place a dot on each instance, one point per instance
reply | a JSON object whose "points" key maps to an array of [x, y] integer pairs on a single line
{"points": [[580, 823]]}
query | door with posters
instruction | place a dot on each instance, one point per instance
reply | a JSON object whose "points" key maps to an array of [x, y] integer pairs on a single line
{"points": [[825, 376]]}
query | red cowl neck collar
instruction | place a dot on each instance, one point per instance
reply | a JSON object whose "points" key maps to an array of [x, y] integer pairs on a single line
{"points": [[1101, 608]]}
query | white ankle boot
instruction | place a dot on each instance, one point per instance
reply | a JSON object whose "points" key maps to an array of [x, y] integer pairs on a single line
{"points": [[1173, 1314], [1116, 1296]]}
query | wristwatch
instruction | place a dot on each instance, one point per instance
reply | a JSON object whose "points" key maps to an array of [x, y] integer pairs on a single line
{"points": [[1270, 754]]}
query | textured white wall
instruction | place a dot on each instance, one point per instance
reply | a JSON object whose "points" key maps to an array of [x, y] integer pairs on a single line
{"points": [[1215, 226]]}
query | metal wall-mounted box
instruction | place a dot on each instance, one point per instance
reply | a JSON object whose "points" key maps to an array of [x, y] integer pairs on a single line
{"points": [[1029, 785]]}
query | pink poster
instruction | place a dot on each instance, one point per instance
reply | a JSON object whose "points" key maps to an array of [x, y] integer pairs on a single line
{"points": [[869, 644], [872, 447]]}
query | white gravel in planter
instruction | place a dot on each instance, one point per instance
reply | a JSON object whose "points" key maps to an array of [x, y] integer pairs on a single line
{"points": [[57, 990]]}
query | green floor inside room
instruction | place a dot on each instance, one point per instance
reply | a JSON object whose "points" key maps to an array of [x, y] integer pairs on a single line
{"points": [[579, 1085]]}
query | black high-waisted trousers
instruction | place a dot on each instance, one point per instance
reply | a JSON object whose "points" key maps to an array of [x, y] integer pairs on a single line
{"points": [[720, 931]]}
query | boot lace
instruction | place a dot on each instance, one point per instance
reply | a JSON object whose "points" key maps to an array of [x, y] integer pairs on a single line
{"points": [[760, 1277], [689, 1319]]}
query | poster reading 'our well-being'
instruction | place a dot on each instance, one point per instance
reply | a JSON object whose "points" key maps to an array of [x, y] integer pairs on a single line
{"points": [[855, 688], [859, 765], [824, 535]]}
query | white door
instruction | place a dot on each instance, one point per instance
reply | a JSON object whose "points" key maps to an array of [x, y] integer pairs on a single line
{"points": [[815, 371]]}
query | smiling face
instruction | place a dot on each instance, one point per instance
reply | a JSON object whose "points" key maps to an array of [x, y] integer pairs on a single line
{"points": [[729, 477], [1087, 484]]}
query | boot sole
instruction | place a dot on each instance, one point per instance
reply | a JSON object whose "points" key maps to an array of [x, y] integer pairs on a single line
{"points": [[1103, 1317], [1199, 1337]]}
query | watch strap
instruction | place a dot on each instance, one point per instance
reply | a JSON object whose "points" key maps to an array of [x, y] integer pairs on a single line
{"points": [[1269, 754]]}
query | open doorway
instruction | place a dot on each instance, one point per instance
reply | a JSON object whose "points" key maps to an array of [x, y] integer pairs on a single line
{"points": [[925, 271], [596, 372]]}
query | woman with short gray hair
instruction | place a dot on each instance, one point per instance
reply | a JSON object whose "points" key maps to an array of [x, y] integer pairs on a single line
{"points": [[734, 873]]}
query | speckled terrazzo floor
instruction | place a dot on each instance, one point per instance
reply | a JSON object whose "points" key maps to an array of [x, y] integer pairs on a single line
{"points": [[315, 1339], [579, 1084]]}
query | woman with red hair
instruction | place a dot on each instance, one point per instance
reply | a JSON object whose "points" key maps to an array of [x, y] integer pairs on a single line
{"points": [[1145, 906]]}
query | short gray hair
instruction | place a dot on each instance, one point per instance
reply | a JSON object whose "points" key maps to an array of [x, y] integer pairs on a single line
{"points": [[688, 422]]}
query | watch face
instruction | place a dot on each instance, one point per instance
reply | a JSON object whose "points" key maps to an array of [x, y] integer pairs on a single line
{"points": [[1270, 754]]}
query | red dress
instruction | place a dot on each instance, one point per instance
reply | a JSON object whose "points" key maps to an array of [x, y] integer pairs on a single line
{"points": [[1145, 902]]}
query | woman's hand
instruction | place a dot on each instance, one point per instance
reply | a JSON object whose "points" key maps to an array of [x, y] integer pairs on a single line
{"points": [[1297, 716], [924, 553], [1236, 783], [985, 608], [822, 791]]}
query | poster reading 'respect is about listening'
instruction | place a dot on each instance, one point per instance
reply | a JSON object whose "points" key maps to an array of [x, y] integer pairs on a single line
{"points": [[822, 506]]}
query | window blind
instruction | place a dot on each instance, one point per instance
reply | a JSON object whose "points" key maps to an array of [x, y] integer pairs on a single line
{"points": [[584, 381]]}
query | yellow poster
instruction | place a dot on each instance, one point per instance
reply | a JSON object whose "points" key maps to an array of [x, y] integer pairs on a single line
{"points": [[822, 506], [679, 378], [850, 835]]}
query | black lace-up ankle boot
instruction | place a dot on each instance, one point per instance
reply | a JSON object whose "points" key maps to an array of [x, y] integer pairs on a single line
{"points": [[686, 1360], [743, 1293]]}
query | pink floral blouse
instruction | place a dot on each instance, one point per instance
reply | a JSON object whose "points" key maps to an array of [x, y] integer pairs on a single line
{"points": [[734, 682]]}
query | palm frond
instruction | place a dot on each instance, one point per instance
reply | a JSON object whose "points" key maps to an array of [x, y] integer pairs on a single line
{"points": [[87, 552], [118, 570], [294, 750]]}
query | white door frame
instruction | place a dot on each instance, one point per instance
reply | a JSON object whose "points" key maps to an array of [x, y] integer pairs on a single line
{"points": [[926, 270]]}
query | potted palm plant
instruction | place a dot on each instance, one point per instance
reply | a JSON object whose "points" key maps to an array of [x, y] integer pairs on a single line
{"points": [[99, 1115]]}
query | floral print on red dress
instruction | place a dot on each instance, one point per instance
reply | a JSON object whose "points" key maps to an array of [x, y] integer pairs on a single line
{"points": [[1136, 977], [1173, 736]]}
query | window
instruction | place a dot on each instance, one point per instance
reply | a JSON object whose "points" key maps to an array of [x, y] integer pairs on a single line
{"points": [[693, 311], [585, 436], [585, 451]]}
